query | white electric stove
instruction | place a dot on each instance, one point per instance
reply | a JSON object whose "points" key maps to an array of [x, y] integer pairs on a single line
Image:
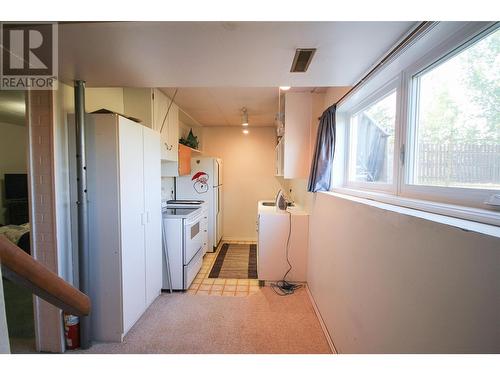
{"points": [[183, 232]]}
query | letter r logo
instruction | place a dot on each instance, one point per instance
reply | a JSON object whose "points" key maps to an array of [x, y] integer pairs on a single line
{"points": [[27, 49]]}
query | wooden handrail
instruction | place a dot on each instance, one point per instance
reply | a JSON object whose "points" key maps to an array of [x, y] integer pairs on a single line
{"points": [[24, 270]]}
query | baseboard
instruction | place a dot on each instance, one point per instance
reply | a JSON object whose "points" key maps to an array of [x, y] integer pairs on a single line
{"points": [[239, 239], [322, 323]]}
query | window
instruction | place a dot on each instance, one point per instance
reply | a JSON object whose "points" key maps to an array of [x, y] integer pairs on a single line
{"points": [[371, 137], [426, 127], [456, 141]]}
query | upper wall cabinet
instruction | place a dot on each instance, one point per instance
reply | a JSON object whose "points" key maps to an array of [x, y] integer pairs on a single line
{"points": [[296, 156], [180, 168], [168, 125], [151, 107]]}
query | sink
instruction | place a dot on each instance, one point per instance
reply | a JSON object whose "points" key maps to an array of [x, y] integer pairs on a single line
{"points": [[272, 204]]}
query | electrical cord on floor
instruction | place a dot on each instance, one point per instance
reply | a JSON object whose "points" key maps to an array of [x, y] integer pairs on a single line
{"points": [[283, 287]]}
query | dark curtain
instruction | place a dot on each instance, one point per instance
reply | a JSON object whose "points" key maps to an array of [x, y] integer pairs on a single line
{"points": [[320, 177]]}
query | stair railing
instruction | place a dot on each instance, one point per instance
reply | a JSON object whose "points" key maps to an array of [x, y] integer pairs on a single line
{"points": [[24, 270]]}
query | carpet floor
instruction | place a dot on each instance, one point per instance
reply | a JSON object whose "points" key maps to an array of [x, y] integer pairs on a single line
{"points": [[260, 323]]}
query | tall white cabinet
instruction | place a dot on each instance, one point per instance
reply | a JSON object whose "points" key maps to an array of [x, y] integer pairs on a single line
{"points": [[152, 195], [124, 192]]}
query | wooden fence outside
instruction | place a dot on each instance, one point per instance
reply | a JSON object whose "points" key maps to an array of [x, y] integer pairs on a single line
{"points": [[439, 164]]}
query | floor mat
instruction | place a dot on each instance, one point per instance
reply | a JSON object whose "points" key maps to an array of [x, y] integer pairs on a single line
{"points": [[235, 261]]}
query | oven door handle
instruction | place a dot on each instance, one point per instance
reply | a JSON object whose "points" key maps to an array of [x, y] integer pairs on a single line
{"points": [[194, 220]]}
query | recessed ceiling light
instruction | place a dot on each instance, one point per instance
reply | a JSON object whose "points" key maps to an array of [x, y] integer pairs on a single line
{"points": [[244, 117], [284, 88], [245, 131]]}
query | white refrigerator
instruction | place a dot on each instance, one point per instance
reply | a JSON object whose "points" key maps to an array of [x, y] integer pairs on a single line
{"points": [[205, 183]]}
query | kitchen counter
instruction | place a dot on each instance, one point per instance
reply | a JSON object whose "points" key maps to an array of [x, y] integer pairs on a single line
{"points": [[275, 229]]}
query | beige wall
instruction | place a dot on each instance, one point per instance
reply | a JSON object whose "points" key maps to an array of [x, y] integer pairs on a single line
{"points": [[13, 154], [109, 98], [248, 174], [137, 104], [388, 282]]}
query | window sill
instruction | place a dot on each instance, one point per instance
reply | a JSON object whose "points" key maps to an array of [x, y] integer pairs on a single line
{"points": [[475, 220]]}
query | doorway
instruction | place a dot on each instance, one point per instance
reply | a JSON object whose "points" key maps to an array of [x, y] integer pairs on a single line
{"points": [[14, 213]]}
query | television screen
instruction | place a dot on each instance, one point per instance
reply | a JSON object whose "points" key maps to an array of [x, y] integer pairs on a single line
{"points": [[16, 186]]}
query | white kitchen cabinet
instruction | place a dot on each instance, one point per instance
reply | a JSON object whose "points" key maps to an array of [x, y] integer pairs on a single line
{"points": [[273, 228], [152, 185], [124, 200], [296, 155], [168, 125], [132, 237], [150, 106], [279, 158]]}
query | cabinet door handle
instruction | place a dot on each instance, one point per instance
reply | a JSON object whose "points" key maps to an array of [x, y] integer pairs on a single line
{"points": [[142, 218], [147, 217]]}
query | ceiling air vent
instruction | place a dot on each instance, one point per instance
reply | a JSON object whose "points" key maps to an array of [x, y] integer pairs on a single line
{"points": [[302, 59]]}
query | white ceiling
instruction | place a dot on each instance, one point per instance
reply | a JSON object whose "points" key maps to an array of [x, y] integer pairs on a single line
{"points": [[221, 106], [221, 54], [220, 67]]}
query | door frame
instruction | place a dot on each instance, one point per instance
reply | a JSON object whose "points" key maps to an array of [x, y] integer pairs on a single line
{"points": [[49, 333]]}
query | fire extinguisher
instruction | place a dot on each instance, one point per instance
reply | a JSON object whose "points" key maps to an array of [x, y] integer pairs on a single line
{"points": [[72, 331]]}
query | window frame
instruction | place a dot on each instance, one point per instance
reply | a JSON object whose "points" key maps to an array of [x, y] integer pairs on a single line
{"points": [[466, 203], [393, 85], [470, 197]]}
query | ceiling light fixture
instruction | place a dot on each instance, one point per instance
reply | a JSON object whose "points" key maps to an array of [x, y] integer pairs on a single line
{"points": [[244, 117], [245, 131], [284, 88]]}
